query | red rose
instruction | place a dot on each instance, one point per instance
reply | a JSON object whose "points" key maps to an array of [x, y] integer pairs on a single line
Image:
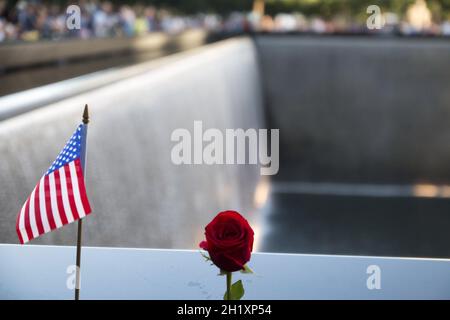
{"points": [[229, 241]]}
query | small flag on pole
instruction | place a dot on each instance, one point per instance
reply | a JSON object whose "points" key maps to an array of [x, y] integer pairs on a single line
{"points": [[59, 197]]}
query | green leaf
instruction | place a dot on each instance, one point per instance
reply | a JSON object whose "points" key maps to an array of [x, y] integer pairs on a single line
{"points": [[237, 291], [222, 273], [207, 258], [247, 269]]}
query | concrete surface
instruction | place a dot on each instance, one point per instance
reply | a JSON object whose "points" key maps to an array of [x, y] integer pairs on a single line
{"points": [[24, 54], [27, 100], [119, 273], [25, 66]]}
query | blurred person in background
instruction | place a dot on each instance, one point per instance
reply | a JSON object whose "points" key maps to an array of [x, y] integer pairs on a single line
{"points": [[285, 22], [150, 15], [418, 17], [170, 23], [127, 19], [57, 22], [104, 21], [141, 24], [43, 22], [212, 22], [3, 22], [26, 18]]}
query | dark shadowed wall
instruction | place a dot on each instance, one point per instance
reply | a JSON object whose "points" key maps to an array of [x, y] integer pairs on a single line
{"points": [[359, 109]]}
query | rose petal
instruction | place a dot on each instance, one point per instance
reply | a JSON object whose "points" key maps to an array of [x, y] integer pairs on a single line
{"points": [[229, 241], [203, 245]]}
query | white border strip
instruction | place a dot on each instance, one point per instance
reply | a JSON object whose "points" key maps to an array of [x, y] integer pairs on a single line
{"points": [[256, 253]]}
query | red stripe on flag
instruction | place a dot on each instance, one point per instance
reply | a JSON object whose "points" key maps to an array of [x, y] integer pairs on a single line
{"points": [[83, 195], [17, 227], [27, 220], [20, 237], [73, 207], [59, 200], [48, 206], [37, 211]]}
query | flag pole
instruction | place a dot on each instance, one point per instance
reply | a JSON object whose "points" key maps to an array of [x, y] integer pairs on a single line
{"points": [[80, 221]]}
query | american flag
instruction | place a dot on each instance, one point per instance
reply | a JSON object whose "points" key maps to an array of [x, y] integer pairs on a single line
{"points": [[59, 197]]}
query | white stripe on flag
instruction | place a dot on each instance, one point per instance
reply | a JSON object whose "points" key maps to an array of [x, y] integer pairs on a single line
{"points": [[76, 190], [42, 206], [65, 196], [53, 203], [22, 230], [32, 214]]}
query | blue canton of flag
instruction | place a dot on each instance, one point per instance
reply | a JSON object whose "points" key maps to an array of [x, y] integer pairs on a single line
{"points": [[70, 152]]}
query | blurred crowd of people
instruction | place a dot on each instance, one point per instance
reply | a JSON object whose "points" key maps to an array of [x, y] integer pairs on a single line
{"points": [[32, 20], [390, 24]]}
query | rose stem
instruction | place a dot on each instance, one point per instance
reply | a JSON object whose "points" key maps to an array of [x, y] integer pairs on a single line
{"points": [[229, 285]]}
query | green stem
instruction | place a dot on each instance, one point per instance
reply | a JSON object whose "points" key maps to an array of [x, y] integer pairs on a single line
{"points": [[229, 285]]}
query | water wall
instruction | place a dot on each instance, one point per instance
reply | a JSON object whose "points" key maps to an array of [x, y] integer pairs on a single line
{"points": [[139, 197]]}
